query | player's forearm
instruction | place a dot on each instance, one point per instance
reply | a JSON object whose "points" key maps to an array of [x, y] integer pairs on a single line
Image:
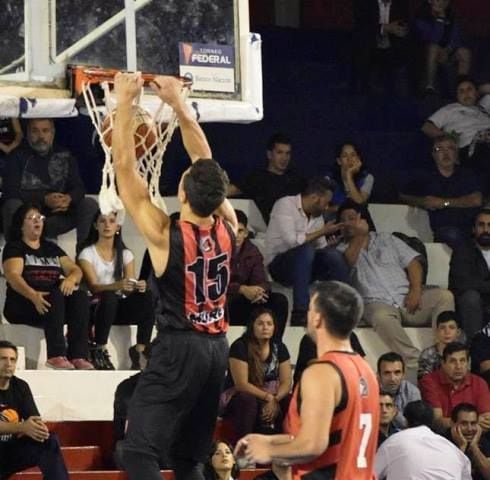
{"points": [[298, 450], [122, 141]]}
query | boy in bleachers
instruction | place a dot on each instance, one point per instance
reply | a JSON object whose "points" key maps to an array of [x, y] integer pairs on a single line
{"points": [[447, 331]]}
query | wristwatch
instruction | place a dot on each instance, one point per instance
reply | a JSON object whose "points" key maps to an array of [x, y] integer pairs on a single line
{"points": [[446, 204]]}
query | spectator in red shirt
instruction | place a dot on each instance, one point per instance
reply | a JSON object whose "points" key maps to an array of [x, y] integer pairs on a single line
{"points": [[249, 287], [452, 384]]}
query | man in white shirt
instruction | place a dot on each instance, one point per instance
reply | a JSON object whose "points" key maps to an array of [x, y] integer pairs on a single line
{"points": [[297, 250], [418, 453]]}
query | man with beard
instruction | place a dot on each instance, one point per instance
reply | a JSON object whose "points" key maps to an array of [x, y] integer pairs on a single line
{"points": [[469, 276], [43, 173]]}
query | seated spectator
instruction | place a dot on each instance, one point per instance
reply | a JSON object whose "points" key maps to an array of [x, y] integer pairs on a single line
{"points": [[297, 252], [266, 185], [259, 378], [437, 30], [388, 275], [447, 331], [10, 138], [381, 43], [42, 290], [221, 464], [46, 174], [466, 434], [391, 376], [249, 286], [449, 193], [352, 179], [453, 384], [469, 276], [307, 352], [25, 440], [387, 413], [480, 353], [118, 298], [419, 453]]}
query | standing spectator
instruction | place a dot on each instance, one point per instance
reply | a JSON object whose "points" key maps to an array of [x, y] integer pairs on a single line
{"points": [[439, 34], [266, 185], [42, 290], [391, 375], [469, 276], [221, 464], [259, 379], [447, 331], [249, 286], [297, 251], [388, 275], [480, 353], [453, 384], [381, 43], [25, 440], [387, 413], [466, 434], [451, 194], [44, 173], [10, 138], [419, 453], [118, 298]]}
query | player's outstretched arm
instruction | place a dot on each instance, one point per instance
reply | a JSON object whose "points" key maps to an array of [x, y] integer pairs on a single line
{"points": [[132, 189], [195, 142]]}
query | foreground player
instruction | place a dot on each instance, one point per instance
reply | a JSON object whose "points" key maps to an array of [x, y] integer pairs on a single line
{"points": [[173, 411], [333, 417]]}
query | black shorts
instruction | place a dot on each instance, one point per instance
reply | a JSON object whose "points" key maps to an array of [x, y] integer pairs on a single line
{"points": [[173, 412]]}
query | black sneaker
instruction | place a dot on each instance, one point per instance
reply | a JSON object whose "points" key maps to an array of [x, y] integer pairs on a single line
{"points": [[97, 358], [138, 359], [107, 360]]}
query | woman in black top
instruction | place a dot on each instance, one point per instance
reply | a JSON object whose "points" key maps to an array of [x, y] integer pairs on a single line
{"points": [[42, 290]]}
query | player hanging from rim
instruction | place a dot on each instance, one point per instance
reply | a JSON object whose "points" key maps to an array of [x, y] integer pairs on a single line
{"points": [[173, 411], [333, 417]]}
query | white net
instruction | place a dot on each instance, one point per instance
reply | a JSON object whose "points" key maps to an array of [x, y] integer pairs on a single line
{"points": [[151, 135]]}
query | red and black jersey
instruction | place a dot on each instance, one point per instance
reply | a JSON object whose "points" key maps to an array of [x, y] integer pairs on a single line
{"points": [[354, 429], [194, 285]]}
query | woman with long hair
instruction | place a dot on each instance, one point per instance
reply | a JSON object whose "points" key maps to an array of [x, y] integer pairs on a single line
{"points": [[42, 290], [221, 464], [118, 298], [259, 378]]}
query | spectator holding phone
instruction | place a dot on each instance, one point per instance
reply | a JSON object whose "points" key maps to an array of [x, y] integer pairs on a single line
{"points": [[118, 298]]}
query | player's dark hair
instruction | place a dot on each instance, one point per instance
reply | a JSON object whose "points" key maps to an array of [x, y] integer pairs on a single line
{"points": [[255, 364], [276, 138], [340, 306], [118, 245], [18, 218], [7, 344], [447, 316], [209, 472], [318, 186], [390, 357], [463, 407], [418, 413], [454, 347], [205, 186]]}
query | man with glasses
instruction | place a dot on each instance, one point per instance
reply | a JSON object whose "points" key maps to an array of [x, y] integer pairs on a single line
{"points": [[43, 173], [449, 193]]}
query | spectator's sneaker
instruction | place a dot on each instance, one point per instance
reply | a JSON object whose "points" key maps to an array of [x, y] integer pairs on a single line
{"points": [[59, 363], [107, 360], [138, 359], [82, 364]]}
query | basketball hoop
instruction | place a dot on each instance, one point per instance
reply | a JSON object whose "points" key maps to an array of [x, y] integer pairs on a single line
{"points": [[152, 134]]}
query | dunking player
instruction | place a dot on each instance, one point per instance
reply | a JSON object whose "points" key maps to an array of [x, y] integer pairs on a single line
{"points": [[173, 411], [334, 413]]}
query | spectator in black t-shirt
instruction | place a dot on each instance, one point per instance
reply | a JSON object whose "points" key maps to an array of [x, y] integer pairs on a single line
{"points": [[450, 194], [468, 436], [259, 378], [25, 440], [46, 174], [266, 185], [42, 290]]}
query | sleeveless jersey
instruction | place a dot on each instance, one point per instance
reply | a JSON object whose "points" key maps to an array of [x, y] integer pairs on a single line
{"points": [[354, 430], [194, 285]]}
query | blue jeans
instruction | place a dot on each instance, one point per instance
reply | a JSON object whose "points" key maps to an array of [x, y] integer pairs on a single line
{"points": [[301, 265]]}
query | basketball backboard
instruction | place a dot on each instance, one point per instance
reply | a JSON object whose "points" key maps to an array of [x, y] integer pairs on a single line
{"points": [[206, 39]]}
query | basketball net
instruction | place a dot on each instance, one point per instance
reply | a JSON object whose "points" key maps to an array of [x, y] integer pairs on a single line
{"points": [[150, 156]]}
